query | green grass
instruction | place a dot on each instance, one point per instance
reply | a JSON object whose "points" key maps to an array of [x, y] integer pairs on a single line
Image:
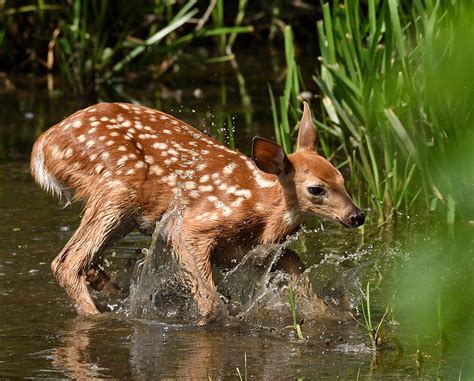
{"points": [[92, 42], [285, 109], [375, 331], [292, 301], [384, 115]]}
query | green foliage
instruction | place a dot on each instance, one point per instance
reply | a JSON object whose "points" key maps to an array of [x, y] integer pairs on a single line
{"points": [[392, 105], [374, 331], [377, 73], [91, 42], [292, 302], [287, 107]]}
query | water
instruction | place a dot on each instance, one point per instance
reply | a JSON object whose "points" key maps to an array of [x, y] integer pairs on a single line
{"points": [[41, 336]]}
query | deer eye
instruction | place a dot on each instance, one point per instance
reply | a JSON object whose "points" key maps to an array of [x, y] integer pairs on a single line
{"points": [[316, 190]]}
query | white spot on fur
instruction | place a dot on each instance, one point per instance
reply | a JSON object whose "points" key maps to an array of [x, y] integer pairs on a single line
{"points": [[190, 185], [205, 188], [228, 169], [122, 148], [194, 194], [105, 155], [123, 159], [161, 146], [81, 138], [170, 180], [149, 159], [243, 193], [237, 203], [204, 179], [68, 153], [156, 170], [77, 123], [264, 183]]}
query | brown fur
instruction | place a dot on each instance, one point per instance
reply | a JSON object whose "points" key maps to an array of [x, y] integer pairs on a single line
{"points": [[121, 160]]}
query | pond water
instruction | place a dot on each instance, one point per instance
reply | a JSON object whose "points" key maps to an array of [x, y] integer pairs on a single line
{"points": [[41, 336]]}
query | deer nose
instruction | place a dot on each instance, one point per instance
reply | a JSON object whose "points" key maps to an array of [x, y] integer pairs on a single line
{"points": [[357, 218]]}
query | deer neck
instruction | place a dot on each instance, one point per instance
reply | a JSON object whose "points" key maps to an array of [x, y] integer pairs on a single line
{"points": [[281, 211]]}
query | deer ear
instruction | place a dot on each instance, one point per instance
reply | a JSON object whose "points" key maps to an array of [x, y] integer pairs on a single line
{"points": [[307, 132], [270, 157]]}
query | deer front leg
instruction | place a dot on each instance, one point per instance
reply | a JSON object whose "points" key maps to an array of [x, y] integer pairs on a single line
{"points": [[193, 255]]}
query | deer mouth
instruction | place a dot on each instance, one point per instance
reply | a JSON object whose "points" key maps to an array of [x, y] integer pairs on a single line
{"points": [[346, 225]]}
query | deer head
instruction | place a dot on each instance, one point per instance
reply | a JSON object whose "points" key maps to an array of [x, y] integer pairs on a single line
{"points": [[312, 185]]}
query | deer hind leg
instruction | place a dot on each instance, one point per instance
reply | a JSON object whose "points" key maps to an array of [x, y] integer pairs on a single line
{"points": [[101, 225]]}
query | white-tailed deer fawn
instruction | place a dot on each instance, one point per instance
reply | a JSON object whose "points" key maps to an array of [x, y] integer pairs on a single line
{"points": [[128, 163]]}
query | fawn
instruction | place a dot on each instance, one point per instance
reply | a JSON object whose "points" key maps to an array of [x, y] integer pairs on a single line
{"points": [[128, 163]]}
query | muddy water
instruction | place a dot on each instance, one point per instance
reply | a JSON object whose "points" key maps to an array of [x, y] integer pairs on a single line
{"points": [[41, 336]]}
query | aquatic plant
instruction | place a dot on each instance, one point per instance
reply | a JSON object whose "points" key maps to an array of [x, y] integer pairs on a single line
{"points": [[373, 330], [292, 301], [245, 376]]}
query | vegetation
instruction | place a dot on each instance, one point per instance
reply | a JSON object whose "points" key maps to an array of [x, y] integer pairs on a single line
{"points": [[375, 332], [292, 301], [383, 115], [89, 42], [382, 108]]}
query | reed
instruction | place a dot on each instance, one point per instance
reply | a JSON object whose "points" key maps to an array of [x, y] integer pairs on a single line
{"points": [[292, 301], [374, 331], [92, 42], [376, 78], [378, 68]]}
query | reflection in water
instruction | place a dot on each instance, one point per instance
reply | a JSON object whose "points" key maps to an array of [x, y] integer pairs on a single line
{"points": [[73, 357], [89, 349]]}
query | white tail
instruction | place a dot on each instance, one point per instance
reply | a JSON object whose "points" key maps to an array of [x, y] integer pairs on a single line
{"points": [[129, 162]]}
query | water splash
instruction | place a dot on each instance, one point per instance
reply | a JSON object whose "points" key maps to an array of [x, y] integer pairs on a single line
{"points": [[162, 288]]}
